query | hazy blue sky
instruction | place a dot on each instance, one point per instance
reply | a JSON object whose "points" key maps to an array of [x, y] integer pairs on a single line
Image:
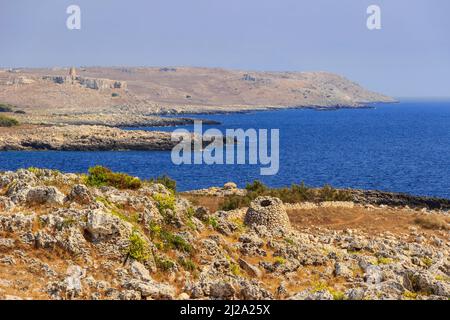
{"points": [[410, 56]]}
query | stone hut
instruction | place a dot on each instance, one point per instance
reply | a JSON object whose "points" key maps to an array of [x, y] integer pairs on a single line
{"points": [[269, 212]]}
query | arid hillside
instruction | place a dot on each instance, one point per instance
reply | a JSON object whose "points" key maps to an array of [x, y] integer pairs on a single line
{"points": [[171, 90]]}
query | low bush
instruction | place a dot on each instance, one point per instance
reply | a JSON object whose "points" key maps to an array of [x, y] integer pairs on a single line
{"points": [[8, 121], [173, 241], [138, 248], [165, 180], [212, 221], [187, 264], [164, 264], [164, 202], [295, 194], [101, 176]]}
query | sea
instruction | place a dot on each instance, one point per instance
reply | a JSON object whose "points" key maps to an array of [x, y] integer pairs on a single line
{"points": [[402, 147]]}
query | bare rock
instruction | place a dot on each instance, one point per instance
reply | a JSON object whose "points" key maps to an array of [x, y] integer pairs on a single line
{"points": [[221, 290], [140, 271], [45, 195], [80, 194], [230, 186], [249, 268], [102, 225]]}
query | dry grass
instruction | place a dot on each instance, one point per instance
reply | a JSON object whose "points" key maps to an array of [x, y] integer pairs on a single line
{"points": [[212, 203], [433, 222]]}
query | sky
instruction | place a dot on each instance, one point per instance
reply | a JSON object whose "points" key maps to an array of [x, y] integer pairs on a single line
{"points": [[408, 57]]}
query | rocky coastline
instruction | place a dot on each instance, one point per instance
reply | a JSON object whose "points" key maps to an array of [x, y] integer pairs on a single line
{"points": [[71, 236], [81, 138]]}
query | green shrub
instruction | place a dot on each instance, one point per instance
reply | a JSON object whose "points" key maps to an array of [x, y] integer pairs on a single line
{"points": [[212, 221], [187, 264], [154, 230], [190, 212], [166, 181], [164, 264], [115, 94], [133, 219], [427, 261], [8, 122], [337, 294], [234, 202], [101, 176], [280, 260], [164, 201], [138, 248], [235, 269], [173, 241], [408, 295], [327, 193], [257, 186], [384, 260], [294, 194]]}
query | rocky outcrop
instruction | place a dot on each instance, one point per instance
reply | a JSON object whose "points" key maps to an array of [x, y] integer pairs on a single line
{"points": [[83, 138], [398, 199], [91, 83], [229, 188], [62, 239], [188, 90]]}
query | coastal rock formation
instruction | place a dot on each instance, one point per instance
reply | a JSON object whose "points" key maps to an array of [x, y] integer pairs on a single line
{"points": [[398, 199], [82, 138], [120, 118], [91, 83], [177, 90], [268, 212]]}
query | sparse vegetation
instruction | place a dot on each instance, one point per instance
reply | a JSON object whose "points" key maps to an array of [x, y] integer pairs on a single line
{"points": [[164, 264], [167, 240], [190, 212], [280, 260], [408, 295], [212, 221], [115, 95], [164, 202], [433, 222], [101, 176], [384, 260], [173, 241], [8, 121], [337, 294], [427, 261], [187, 264], [166, 181], [442, 278], [138, 248], [235, 269], [319, 286], [295, 194], [133, 219]]}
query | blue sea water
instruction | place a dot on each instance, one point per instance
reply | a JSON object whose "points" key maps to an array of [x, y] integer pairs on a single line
{"points": [[401, 147]]}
